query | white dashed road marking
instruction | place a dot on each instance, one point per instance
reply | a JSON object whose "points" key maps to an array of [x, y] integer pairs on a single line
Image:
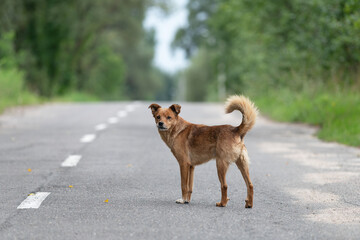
{"points": [[33, 200], [130, 108], [100, 127], [71, 161], [113, 120], [122, 114], [88, 138]]}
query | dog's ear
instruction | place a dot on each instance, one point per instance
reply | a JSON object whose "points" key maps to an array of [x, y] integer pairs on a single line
{"points": [[154, 107], [175, 108]]}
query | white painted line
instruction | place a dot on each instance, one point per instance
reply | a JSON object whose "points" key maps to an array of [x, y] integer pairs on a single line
{"points": [[33, 200], [130, 108], [113, 120], [71, 161], [122, 114], [88, 138], [100, 127]]}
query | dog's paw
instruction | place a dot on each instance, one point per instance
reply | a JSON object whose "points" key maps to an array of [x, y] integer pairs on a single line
{"points": [[248, 204], [221, 204], [182, 201]]}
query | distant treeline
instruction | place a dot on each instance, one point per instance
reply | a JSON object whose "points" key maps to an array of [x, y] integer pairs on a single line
{"points": [[299, 60], [99, 47], [256, 46]]}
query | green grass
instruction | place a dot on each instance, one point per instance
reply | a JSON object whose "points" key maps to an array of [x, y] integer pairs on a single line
{"points": [[12, 91], [337, 114]]}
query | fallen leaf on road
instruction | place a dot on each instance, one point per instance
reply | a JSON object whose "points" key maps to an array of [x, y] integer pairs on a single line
{"points": [[129, 165], [29, 170], [31, 194], [70, 186], [107, 200]]}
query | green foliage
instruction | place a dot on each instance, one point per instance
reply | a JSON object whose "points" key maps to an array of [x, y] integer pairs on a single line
{"points": [[197, 78], [196, 33], [98, 47], [12, 91], [7, 53], [299, 59], [338, 114], [313, 39], [165, 86], [107, 78]]}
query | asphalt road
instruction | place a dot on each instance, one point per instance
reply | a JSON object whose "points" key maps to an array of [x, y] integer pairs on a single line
{"points": [[126, 182]]}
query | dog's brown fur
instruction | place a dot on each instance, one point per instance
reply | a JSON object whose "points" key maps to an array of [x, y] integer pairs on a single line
{"points": [[194, 144]]}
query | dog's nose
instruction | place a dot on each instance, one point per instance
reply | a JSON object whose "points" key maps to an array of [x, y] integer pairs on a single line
{"points": [[161, 124]]}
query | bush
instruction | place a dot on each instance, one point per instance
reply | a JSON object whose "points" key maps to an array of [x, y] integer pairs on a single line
{"points": [[12, 89]]}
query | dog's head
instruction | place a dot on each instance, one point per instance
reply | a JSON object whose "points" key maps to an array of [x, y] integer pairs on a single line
{"points": [[165, 118]]}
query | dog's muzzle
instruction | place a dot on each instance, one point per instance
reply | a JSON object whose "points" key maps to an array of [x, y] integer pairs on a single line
{"points": [[161, 126]]}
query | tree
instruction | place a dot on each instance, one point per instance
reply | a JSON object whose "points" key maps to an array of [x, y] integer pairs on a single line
{"points": [[262, 44], [97, 46]]}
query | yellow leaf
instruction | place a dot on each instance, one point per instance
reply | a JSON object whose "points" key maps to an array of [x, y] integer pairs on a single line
{"points": [[70, 186], [29, 170], [107, 200], [31, 194], [129, 165]]}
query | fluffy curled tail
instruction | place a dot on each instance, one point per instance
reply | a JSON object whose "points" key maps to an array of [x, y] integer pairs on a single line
{"points": [[248, 110]]}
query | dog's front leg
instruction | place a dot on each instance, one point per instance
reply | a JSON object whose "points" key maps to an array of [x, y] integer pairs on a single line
{"points": [[191, 182], [184, 173]]}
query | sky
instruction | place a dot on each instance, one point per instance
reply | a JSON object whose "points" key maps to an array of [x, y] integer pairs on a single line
{"points": [[166, 26]]}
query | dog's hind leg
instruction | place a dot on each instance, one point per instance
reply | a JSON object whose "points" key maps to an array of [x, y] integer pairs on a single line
{"points": [[184, 173], [191, 182], [243, 165], [222, 167]]}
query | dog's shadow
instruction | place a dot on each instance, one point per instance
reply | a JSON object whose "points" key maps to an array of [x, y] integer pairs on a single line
{"points": [[171, 204]]}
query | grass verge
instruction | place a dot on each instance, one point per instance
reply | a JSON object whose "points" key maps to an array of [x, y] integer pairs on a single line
{"points": [[337, 114], [12, 91]]}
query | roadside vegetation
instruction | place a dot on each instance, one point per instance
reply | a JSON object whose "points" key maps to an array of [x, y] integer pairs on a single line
{"points": [[336, 113], [12, 82], [299, 60], [77, 51]]}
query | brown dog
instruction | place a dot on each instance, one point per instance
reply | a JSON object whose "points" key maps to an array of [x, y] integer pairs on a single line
{"points": [[194, 144]]}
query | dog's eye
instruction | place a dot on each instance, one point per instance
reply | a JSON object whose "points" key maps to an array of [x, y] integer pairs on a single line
{"points": [[169, 117], [158, 117]]}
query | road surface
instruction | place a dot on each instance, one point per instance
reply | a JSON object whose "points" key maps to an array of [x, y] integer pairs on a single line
{"points": [[101, 171]]}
